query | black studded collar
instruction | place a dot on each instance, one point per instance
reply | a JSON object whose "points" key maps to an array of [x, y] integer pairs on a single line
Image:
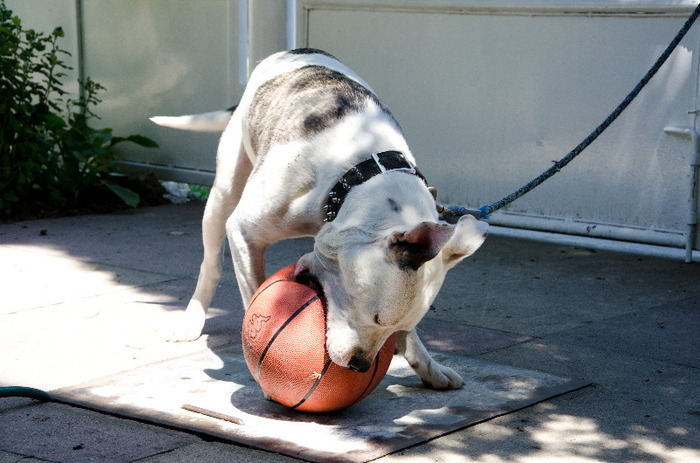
{"points": [[377, 164]]}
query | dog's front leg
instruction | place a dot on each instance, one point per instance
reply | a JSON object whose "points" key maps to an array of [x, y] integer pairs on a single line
{"points": [[189, 325], [428, 370], [231, 175]]}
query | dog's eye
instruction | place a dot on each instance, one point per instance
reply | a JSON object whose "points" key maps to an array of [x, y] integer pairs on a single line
{"points": [[376, 319]]}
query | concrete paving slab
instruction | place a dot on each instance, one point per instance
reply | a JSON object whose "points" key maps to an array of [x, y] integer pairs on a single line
{"points": [[144, 239], [638, 410], [670, 332], [32, 278], [400, 413], [163, 240], [7, 403], [67, 344], [58, 432], [7, 457], [464, 339], [217, 452], [641, 409], [535, 288]]}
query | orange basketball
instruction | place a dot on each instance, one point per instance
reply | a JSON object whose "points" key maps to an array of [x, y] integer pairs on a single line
{"points": [[284, 344]]}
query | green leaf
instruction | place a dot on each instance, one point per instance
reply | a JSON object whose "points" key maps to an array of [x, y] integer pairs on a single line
{"points": [[54, 120], [130, 197], [138, 139]]}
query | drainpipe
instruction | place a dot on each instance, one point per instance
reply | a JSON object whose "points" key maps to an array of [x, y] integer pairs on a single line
{"points": [[80, 27], [693, 201]]}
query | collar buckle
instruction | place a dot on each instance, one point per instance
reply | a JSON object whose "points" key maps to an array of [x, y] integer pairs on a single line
{"points": [[375, 156], [409, 168]]}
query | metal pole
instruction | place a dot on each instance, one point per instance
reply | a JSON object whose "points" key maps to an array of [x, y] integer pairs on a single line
{"points": [[80, 32]]}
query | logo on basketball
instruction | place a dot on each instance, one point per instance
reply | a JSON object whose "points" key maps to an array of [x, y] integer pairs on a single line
{"points": [[256, 325]]}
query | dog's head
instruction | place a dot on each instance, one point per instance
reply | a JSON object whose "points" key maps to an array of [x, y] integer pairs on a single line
{"points": [[377, 283]]}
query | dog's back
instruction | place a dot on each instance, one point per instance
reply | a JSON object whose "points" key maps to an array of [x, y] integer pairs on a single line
{"points": [[268, 70]]}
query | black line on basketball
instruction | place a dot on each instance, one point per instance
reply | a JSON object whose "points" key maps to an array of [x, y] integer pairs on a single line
{"points": [[374, 373], [263, 290], [284, 325], [313, 388]]}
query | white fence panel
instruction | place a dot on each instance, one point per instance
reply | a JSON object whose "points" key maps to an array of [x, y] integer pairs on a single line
{"points": [[155, 57], [164, 57], [490, 93], [43, 16]]}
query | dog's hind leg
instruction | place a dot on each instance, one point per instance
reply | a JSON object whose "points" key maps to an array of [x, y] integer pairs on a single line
{"points": [[431, 373], [248, 231], [223, 199]]}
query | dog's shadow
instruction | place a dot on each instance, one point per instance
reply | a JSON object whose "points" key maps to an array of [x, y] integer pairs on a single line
{"points": [[248, 396]]}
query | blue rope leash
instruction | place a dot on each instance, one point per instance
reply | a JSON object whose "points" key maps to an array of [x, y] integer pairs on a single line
{"points": [[451, 213]]}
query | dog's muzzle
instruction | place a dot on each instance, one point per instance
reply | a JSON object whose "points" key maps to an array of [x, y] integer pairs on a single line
{"points": [[359, 363]]}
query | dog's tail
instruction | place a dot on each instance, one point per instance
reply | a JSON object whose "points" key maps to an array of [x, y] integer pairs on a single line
{"points": [[214, 121]]}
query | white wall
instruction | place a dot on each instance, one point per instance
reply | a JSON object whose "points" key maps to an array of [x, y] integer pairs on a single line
{"points": [[44, 16], [163, 57], [155, 57], [490, 93]]}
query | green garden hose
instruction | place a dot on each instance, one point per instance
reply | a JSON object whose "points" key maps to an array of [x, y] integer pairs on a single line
{"points": [[28, 392]]}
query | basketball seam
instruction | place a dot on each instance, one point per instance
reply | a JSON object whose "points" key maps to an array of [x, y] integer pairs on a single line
{"points": [[277, 333], [313, 388], [263, 290], [374, 373]]}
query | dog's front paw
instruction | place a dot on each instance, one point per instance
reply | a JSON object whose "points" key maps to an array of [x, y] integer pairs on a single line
{"points": [[440, 377], [187, 327]]}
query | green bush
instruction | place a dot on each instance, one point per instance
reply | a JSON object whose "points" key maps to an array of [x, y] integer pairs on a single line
{"points": [[49, 154]]}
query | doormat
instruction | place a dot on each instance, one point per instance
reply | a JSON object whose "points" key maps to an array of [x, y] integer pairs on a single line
{"points": [[213, 393]]}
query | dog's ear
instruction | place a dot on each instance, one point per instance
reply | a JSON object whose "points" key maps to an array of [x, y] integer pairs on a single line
{"points": [[469, 235], [411, 249]]}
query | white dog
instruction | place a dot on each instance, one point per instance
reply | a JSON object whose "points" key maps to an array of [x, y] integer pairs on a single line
{"points": [[310, 150]]}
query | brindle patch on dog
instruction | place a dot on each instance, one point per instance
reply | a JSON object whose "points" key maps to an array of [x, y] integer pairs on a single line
{"points": [[301, 103]]}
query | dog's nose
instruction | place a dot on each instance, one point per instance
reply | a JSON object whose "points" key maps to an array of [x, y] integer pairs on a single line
{"points": [[359, 364]]}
